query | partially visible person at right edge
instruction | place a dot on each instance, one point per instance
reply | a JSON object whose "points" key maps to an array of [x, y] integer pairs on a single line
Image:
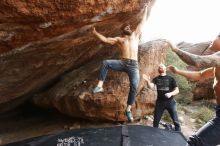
{"points": [[209, 134]]}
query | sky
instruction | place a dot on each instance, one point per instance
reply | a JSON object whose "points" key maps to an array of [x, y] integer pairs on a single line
{"points": [[192, 21]]}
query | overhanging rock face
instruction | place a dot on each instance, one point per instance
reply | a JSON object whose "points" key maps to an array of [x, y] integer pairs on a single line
{"points": [[41, 40], [49, 55]]}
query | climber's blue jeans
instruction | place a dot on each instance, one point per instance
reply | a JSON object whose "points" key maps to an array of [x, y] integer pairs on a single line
{"points": [[209, 134], [125, 65]]}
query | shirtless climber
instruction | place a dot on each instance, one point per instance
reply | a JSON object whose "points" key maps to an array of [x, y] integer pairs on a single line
{"points": [[128, 46]]}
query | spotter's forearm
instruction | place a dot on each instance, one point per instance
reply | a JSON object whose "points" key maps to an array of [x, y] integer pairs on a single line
{"points": [[199, 61]]}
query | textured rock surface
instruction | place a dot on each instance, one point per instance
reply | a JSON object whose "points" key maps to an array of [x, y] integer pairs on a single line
{"points": [[42, 41], [28, 21], [203, 88]]}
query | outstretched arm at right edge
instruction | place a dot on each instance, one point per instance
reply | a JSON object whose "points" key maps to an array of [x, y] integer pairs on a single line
{"points": [[206, 61], [193, 75]]}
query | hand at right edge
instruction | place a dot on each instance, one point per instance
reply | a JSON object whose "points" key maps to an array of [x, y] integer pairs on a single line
{"points": [[172, 69]]}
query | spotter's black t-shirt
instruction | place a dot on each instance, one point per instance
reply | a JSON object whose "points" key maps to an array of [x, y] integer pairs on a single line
{"points": [[164, 85]]}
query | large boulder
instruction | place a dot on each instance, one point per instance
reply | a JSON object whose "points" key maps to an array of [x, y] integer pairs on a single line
{"points": [[41, 41]]}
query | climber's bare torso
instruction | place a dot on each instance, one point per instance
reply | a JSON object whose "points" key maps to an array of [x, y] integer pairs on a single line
{"points": [[128, 46]]}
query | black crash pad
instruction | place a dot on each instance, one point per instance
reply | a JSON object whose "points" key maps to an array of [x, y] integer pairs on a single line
{"points": [[126, 135]]}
